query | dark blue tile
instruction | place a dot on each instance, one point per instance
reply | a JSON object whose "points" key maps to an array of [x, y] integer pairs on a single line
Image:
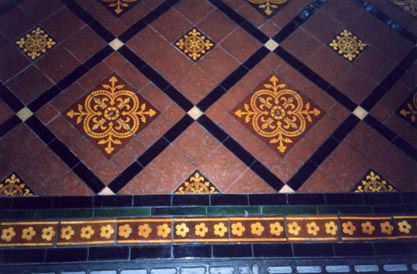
{"points": [[72, 77], [211, 98], [32, 202], [234, 77], [73, 202], [10, 124], [374, 97], [255, 32], [212, 128], [88, 177], [178, 128], [113, 201], [132, 31], [313, 250], [216, 3], [287, 57], [341, 98], [152, 200], [98, 57], [232, 250], [343, 198], [66, 255], [380, 128], [178, 98], [22, 256], [306, 199], [108, 253], [324, 151], [409, 59], [155, 77], [286, 31], [257, 57], [395, 248], [267, 199], [381, 198], [64, 153], [392, 78], [303, 173], [316, 79], [345, 128], [353, 249], [229, 199], [44, 98], [132, 57], [190, 199], [272, 250], [267, 175], [123, 178], [153, 151], [405, 147], [409, 197], [10, 99], [395, 209], [40, 129], [5, 202], [239, 151], [150, 252], [194, 251]]}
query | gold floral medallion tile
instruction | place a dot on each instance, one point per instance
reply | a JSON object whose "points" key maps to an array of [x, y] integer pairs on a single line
{"points": [[35, 43], [111, 114], [13, 185], [277, 114], [268, 8], [373, 182], [30, 233], [408, 110], [312, 228], [367, 228], [194, 44], [196, 184], [118, 7], [409, 6], [347, 45]]}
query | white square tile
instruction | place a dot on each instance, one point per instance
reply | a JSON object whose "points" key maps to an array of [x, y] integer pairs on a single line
{"points": [[195, 113], [286, 189], [271, 45], [24, 114], [116, 44], [106, 191], [360, 112]]}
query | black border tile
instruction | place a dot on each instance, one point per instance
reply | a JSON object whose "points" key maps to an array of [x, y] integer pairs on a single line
{"points": [[353, 249], [232, 250], [345, 128], [9, 124], [72, 77], [152, 200], [67, 254], [214, 129], [395, 248], [211, 98], [229, 12], [73, 202], [190, 199], [234, 77], [113, 201], [313, 250], [64, 153], [324, 150], [343, 198], [272, 250], [303, 173], [267, 199], [380, 128], [178, 98], [40, 129], [5, 202], [178, 128], [150, 252], [98, 57], [257, 57], [229, 199], [155, 77], [306, 199], [44, 98], [381, 198], [88, 177], [23, 256], [161, 9], [409, 197], [239, 151], [395, 209], [153, 152], [132, 31], [32, 202], [267, 175], [194, 251], [123, 178], [405, 147], [255, 32], [108, 253], [132, 57], [10, 99]]}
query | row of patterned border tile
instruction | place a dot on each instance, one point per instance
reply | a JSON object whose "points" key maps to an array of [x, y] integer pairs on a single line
{"points": [[126, 201], [236, 229]]}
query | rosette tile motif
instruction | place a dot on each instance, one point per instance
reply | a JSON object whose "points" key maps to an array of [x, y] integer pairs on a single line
{"points": [[373, 182], [408, 110], [277, 114], [111, 114], [118, 7], [196, 183], [35, 43], [409, 6], [13, 185], [268, 7], [347, 45], [194, 44]]}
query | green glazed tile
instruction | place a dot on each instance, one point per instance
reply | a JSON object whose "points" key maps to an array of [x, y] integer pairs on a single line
{"points": [[234, 210], [16, 214], [343, 209], [278, 210], [122, 212], [64, 213], [176, 211]]}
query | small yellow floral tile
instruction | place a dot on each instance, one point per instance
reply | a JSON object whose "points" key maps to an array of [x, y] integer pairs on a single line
{"points": [[406, 226], [146, 230], [87, 232], [312, 228], [367, 228], [257, 229], [201, 230], [28, 233]]}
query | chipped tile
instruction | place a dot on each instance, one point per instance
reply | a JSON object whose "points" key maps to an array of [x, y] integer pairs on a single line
{"points": [[194, 44], [373, 182], [119, 7], [36, 43], [347, 45], [268, 8], [13, 185], [196, 183], [277, 114]]}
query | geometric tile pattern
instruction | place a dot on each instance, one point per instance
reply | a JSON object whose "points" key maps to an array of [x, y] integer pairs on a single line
{"points": [[196, 183], [118, 7], [35, 43], [207, 229], [373, 182], [277, 114], [194, 44], [111, 114], [13, 185], [408, 110], [409, 6], [347, 45], [268, 8]]}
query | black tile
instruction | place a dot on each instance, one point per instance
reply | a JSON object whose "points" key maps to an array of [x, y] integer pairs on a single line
{"points": [[395, 248], [73, 202], [150, 252], [123, 178], [409, 197], [9, 125], [88, 177], [178, 98], [10, 99], [23, 256], [393, 77], [214, 129], [178, 128], [98, 57], [316, 79], [113, 201], [343, 198], [287, 57], [44, 98], [353, 249], [64, 153], [340, 97], [313, 250], [303, 173], [72, 77], [286, 31], [66, 255], [234, 77], [381, 198], [211, 98], [5, 202], [32, 202], [161, 9], [229, 199], [7, 7], [324, 151], [155, 77], [255, 32], [132, 57], [272, 250], [40, 129], [132, 31], [345, 128], [108, 253], [395, 209], [406, 147], [232, 250], [257, 57], [190, 199], [306, 199], [409, 59], [239, 151], [267, 175], [380, 128], [267, 199], [374, 97], [194, 251], [152, 200], [153, 151], [232, 14]]}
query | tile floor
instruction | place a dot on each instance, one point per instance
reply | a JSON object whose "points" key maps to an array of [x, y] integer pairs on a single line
{"points": [[190, 96]]}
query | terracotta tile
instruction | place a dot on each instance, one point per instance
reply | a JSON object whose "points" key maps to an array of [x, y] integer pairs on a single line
{"points": [[319, 183], [133, 76], [57, 25], [12, 61], [403, 129], [257, 229], [216, 26], [65, 132], [137, 12], [27, 93], [101, 14], [72, 184], [249, 182], [115, 60], [216, 113], [196, 144], [107, 171], [42, 9], [269, 28], [251, 14], [300, 153], [88, 153], [283, 170], [172, 65], [144, 231], [338, 11], [5, 112], [129, 153], [289, 12], [156, 97], [47, 113], [395, 46], [302, 45], [322, 26], [87, 232], [194, 13], [67, 97], [41, 233], [21, 22], [367, 228], [409, 79], [143, 183], [374, 64], [170, 31], [234, 3], [84, 43], [94, 75], [117, 27], [200, 230], [312, 228], [240, 44], [196, 183], [222, 167], [140, 44]]}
